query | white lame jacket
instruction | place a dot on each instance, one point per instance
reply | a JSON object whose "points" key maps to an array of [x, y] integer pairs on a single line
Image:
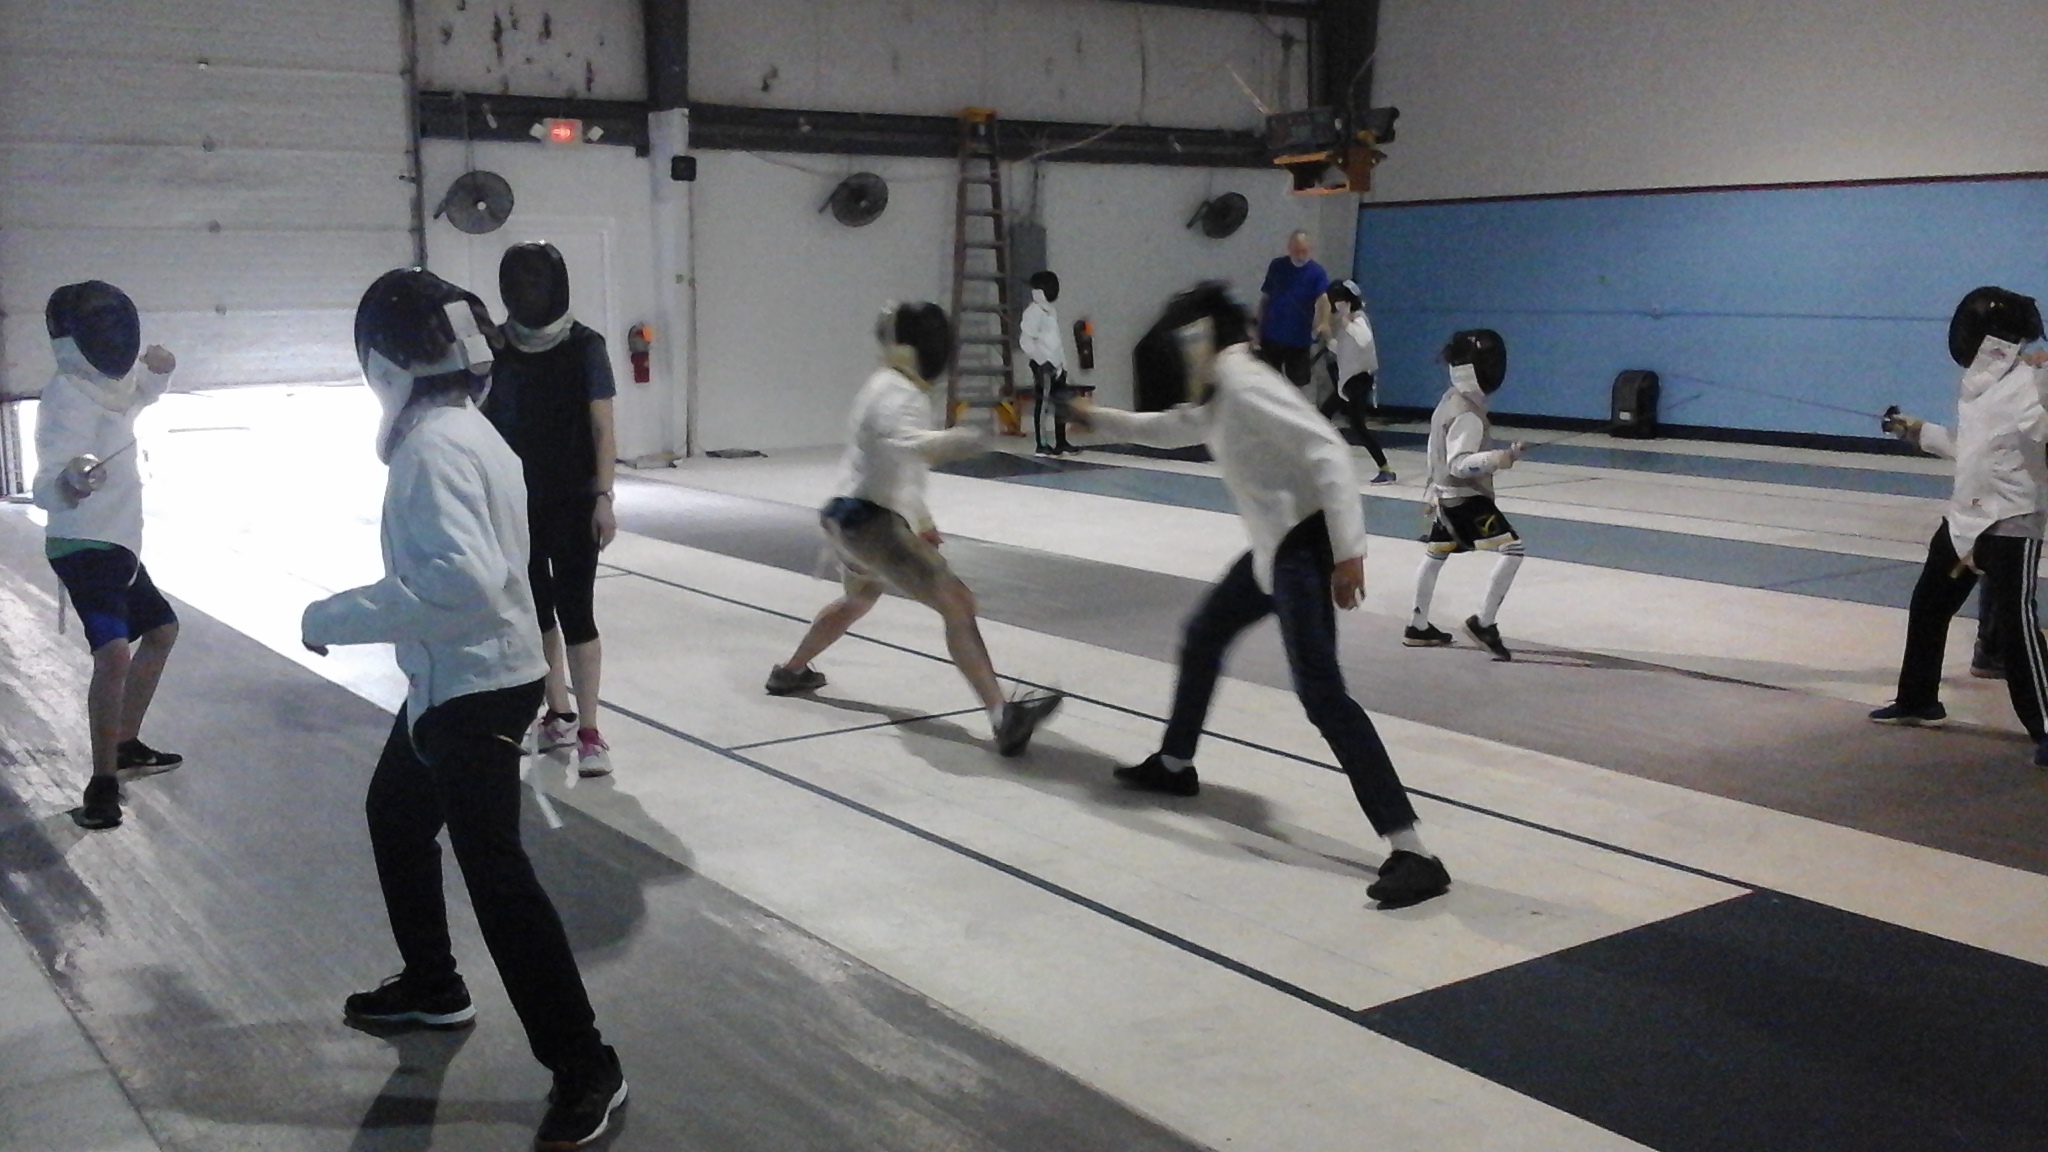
{"points": [[2001, 425], [1038, 336], [1460, 465], [891, 446], [1352, 344], [454, 598], [1281, 461], [84, 412]]}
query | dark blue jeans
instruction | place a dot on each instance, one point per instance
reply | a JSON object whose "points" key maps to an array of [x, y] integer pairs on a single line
{"points": [[1308, 629]]}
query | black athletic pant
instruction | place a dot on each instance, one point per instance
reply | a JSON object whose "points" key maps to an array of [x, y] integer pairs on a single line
{"points": [[1292, 362], [2009, 564], [1048, 388], [1308, 629], [562, 568], [1355, 398], [465, 775]]}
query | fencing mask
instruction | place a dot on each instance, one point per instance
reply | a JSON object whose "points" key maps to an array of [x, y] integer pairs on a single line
{"points": [[916, 339], [1479, 361], [1174, 362], [1991, 313], [533, 279], [101, 322], [418, 336], [1047, 283]]}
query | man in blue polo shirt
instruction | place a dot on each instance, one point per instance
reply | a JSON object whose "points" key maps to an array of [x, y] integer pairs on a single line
{"points": [[1292, 310]]}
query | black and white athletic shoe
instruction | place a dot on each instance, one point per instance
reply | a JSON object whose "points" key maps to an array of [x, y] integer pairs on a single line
{"points": [[581, 1105], [1488, 636], [405, 1000], [1021, 718], [789, 681], [1409, 878], [1427, 636], [1152, 775], [135, 759], [1924, 716], [102, 806]]}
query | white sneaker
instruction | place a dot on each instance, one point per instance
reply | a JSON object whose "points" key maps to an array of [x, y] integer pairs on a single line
{"points": [[555, 731], [593, 755]]}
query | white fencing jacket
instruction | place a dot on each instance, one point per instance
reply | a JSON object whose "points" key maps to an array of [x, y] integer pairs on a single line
{"points": [[2001, 471], [891, 446], [454, 598], [1460, 465], [1281, 461], [1038, 336], [1352, 345], [83, 411]]}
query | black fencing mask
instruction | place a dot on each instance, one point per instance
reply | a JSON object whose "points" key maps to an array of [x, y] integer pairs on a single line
{"points": [[1048, 283], [916, 337], [1484, 352], [1174, 361], [414, 327], [1995, 313], [101, 320], [533, 279]]}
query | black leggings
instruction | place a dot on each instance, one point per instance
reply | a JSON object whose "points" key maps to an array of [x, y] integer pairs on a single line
{"points": [[563, 569], [459, 768], [1048, 388], [2009, 564], [1355, 398]]}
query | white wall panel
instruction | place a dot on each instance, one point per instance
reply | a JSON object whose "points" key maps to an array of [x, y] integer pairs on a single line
{"points": [[1505, 98], [586, 48], [594, 203], [786, 298], [1082, 60], [236, 165]]}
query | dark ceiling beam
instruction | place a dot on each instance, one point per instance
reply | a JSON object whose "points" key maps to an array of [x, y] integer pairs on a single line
{"points": [[717, 127], [494, 117], [1291, 9]]}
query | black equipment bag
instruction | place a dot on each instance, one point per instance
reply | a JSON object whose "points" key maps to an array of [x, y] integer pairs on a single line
{"points": [[1634, 415]]}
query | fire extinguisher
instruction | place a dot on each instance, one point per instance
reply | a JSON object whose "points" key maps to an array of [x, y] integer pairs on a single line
{"points": [[1084, 344], [639, 339]]}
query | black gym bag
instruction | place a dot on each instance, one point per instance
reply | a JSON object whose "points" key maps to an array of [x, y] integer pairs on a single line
{"points": [[1634, 415]]}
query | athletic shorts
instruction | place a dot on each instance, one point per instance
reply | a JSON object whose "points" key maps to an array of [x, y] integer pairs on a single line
{"points": [[112, 593], [1470, 523], [877, 547]]}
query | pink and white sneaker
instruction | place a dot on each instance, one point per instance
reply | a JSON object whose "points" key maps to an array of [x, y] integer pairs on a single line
{"points": [[557, 730], [593, 755]]}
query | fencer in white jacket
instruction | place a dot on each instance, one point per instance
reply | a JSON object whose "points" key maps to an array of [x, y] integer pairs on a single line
{"points": [[1996, 515], [89, 481], [1292, 479]]}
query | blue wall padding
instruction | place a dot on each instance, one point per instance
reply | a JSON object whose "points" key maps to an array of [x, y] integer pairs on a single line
{"points": [[1836, 295]]}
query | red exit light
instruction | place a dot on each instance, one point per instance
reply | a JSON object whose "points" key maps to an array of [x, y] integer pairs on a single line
{"points": [[565, 131]]}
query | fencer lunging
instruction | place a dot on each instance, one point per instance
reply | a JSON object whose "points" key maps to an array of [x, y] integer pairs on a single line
{"points": [[1291, 477], [1996, 515], [883, 534], [1463, 514]]}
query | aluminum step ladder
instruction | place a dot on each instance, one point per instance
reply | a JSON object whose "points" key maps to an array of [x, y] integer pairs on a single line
{"points": [[981, 371]]}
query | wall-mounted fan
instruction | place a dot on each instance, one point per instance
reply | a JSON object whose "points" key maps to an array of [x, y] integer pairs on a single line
{"points": [[858, 199], [1222, 215], [477, 202]]}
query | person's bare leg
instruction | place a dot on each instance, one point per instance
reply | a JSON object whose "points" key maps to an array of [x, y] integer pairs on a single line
{"points": [[558, 677], [831, 622], [145, 671], [586, 666], [103, 701], [955, 604]]}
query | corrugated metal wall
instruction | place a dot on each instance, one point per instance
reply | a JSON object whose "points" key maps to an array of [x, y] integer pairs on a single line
{"points": [[237, 165]]}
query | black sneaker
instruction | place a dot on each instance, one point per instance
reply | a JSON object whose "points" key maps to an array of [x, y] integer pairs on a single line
{"points": [[102, 806], [788, 682], [1409, 878], [1427, 636], [138, 759], [1924, 716], [1021, 718], [1489, 636], [581, 1105], [404, 1000], [1152, 775]]}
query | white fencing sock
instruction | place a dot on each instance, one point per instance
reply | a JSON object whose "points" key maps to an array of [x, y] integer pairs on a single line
{"points": [[1407, 840], [1504, 570], [1425, 588]]}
